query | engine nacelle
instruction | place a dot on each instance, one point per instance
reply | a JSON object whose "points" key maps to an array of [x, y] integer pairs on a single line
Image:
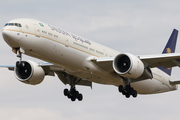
{"points": [[29, 72], [128, 65]]}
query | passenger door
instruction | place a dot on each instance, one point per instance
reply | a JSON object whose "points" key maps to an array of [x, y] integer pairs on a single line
{"points": [[37, 30]]}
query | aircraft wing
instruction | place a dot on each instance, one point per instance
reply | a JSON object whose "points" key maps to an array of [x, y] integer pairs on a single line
{"points": [[164, 60], [10, 67], [50, 70], [105, 63]]}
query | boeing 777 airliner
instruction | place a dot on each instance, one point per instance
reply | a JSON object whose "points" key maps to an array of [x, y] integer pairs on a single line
{"points": [[79, 61]]}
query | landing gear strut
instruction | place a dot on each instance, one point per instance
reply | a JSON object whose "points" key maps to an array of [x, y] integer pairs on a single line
{"points": [[73, 94], [19, 55], [127, 90]]}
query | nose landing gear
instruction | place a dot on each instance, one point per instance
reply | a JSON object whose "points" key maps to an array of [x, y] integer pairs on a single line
{"points": [[19, 55]]}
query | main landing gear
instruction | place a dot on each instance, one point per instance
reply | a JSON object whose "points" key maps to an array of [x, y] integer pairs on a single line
{"points": [[127, 90], [73, 94]]}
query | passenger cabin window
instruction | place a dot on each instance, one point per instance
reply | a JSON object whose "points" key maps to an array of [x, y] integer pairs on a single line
{"points": [[80, 45], [13, 24], [91, 49], [44, 32], [100, 52], [56, 36], [50, 34]]}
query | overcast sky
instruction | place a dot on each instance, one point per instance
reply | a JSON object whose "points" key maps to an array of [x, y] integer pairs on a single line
{"points": [[135, 26]]}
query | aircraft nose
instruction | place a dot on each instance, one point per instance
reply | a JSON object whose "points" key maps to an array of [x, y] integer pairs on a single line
{"points": [[10, 38]]}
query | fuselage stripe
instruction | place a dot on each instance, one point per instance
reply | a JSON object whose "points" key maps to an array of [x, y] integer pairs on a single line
{"points": [[51, 40]]}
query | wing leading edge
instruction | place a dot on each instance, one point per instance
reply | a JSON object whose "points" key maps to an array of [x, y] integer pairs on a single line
{"points": [[50, 70], [164, 60]]}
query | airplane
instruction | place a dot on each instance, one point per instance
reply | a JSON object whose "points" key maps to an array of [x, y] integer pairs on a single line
{"points": [[79, 61]]}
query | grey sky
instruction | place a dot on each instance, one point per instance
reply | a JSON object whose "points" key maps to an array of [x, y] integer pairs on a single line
{"points": [[138, 27]]}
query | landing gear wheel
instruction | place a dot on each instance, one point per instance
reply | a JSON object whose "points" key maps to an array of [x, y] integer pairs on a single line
{"points": [[120, 88], [69, 96], [77, 94], [127, 95], [73, 98], [131, 91], [127, 91], [128, 88], [134, 93], [66, 92], [19, 55], [20, 64], [73, 94], [17, 64], [123, 92], [80, 97]]}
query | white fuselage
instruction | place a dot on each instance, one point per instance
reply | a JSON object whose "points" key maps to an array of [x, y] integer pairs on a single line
{"points": [[73, 54]]}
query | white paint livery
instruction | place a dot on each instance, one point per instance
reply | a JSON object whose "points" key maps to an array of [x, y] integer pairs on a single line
{"points": [[84, 59]]}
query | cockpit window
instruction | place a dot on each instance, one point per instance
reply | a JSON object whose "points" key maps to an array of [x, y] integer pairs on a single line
{"points": [[6, 24], [19, 25], [13, 24]]}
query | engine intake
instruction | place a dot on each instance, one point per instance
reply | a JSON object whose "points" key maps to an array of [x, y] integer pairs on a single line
{"points": [[128, 65], [29, 72]]}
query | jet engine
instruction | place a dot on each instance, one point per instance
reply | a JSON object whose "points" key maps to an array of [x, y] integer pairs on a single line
{"points": [[29, 72], [128, 65]]}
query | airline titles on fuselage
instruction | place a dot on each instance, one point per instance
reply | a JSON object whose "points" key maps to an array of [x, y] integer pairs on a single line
{"points": [[83, 40]]}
